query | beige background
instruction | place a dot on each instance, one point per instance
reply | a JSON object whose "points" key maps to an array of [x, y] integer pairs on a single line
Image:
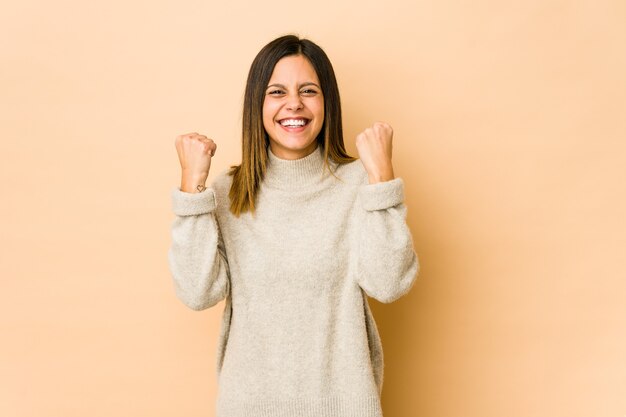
{"points": [[509, 123]]}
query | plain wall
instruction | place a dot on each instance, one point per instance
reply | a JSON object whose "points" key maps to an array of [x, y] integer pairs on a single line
{"points": [[509, 120]]}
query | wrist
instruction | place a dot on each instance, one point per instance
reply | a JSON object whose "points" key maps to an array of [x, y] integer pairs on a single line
{"points": [[373, 178], [193, 185]]}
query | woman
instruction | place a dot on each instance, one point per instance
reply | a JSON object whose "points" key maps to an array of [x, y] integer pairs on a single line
{"points": [[294, 239]]}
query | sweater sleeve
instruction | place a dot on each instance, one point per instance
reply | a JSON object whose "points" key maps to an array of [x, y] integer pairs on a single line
{"points": [[196, 257], [387, 264]]}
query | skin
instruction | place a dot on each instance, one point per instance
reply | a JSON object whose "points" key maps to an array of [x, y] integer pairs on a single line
{"points": [[293, 92], [374, 146], [194, 153]]}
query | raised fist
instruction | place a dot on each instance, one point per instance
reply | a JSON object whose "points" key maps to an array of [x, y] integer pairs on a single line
{"points": [[194, 153], [374, 148]]}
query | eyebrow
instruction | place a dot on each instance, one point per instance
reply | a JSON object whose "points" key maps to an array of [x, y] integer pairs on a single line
{"points": [[301, 85]]}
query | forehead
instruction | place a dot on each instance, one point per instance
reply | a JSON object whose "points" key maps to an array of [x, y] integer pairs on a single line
{"points": [[296, 68]]}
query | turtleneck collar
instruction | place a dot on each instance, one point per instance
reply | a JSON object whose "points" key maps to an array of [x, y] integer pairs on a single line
{"points": [[294, 173]]}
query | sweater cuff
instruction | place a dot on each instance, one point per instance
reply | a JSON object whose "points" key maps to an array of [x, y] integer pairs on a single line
{"points": [[191, 204], [382, 195]]}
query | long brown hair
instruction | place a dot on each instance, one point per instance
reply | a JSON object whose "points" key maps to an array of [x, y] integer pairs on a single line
{"points": [[247, 177]]}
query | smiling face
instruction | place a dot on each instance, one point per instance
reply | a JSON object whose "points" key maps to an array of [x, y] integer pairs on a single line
{"points": [[293, 109]]}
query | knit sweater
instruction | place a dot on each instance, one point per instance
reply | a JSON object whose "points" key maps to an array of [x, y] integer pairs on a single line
{"points": [[297, 338]]}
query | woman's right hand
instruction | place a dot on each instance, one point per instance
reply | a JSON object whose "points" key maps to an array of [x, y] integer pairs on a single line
{"points": [[194, 153]]}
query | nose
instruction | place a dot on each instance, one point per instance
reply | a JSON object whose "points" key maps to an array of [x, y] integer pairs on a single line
{"points": [[294, 102]]}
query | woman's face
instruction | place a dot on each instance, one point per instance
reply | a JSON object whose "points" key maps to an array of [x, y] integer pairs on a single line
{"points": [[293, 109]]}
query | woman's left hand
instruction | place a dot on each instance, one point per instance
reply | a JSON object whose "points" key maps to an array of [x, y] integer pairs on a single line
{"points": [[374, 148]]}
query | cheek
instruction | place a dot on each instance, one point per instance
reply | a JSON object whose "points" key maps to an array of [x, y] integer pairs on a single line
{"points": [[320, 111], [320, 106], [268, 114]]}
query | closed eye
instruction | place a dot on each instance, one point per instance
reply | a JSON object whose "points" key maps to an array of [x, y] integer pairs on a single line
{"points": [[308, 92]]}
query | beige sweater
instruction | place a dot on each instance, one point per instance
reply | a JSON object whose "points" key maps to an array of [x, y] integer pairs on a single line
{"points": [[297, 338]]}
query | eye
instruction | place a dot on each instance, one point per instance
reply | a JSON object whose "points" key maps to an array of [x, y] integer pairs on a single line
{"points": [[275, 92], [309, 92]]}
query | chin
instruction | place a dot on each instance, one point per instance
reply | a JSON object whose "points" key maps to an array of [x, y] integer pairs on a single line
{"points": [[296, 145]]}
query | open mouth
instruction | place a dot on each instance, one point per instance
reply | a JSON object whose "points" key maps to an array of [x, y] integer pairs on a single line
{"points": [[294, 122]]}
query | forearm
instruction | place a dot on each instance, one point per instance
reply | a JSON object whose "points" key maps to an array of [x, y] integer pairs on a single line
{"points": [[196, 257], [190, 181], [387, 264]]}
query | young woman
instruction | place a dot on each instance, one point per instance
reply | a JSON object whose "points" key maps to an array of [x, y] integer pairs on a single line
{"points": [[294, 239]]}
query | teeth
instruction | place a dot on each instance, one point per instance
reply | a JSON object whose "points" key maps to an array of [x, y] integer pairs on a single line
{"points": [[293, 122]]}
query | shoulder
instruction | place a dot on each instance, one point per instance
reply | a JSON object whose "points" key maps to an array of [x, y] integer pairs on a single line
{"points": [[221, 184], [373, 196], [353, 173], [222, 178]]}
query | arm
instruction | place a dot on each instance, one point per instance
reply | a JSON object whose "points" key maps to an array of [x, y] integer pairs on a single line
{"points": [[196, 257], [387, 264]]}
